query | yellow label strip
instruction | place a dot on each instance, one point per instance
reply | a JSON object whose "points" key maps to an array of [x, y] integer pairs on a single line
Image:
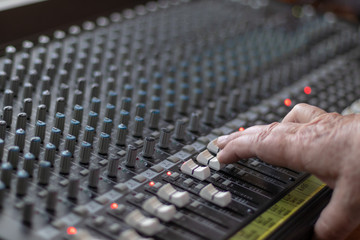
{"points": [[265, 224]]}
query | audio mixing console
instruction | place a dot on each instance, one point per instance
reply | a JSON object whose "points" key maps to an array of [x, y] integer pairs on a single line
{"points": [[108, 128]]}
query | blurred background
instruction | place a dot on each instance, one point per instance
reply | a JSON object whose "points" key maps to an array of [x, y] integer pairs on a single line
{"points": [[348, 9]]}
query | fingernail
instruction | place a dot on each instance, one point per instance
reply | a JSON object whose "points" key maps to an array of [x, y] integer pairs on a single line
{"points": [[221, 139]]}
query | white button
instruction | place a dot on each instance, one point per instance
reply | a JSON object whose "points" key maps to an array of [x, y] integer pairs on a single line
{"points": [[151, 205], [202, 173], [222, 198], [162, 211], [131, 234], [147, 226], [208, 192], [166, 212], [166, 191], [188, 167], [180, 199], [215, 164], [204, 157], [215, 196], [212, 147]]}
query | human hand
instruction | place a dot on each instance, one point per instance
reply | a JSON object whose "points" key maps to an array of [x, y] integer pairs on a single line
{"points": [[310, 140]]}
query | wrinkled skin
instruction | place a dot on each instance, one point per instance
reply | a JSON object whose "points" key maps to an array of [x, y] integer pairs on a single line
{"points": [[311, 140]]}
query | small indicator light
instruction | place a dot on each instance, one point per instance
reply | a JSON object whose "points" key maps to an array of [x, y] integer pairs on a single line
{"points": [[307, 90], [152, 183], [287, 102], [168, 173], [71, 230], [241, 129], [114, 206]]}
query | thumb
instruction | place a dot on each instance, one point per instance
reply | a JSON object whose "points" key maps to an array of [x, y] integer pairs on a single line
{"points": [[339, 218]]}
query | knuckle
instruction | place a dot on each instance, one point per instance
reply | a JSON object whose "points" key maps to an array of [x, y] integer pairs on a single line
{"points": [[264, 134]]}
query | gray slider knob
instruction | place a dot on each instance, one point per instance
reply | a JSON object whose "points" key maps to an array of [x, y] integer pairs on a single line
{"points": [[40, 128], [7, 115], [155, 102], [28, 164], [13, 156], [35, 146], [84, 154], [110, 111], [126, 103], [209, 114], [184, 104], [94, 177], [41, 113], [51, 199], [121, 135], [73, 188], [107, 125], [113, 167], [221, 107], [154, 119], [78, 97], [6, 169], [3, 77], [104, 142], [2, 193], [28, 211], [22, 182], [46, 99], [10, 52], [44, 172], [60, 105], [28, 89], [49, 156], [197, 96], [74, 128], [169, 111], [55, 136], [27, 107], [19, 139], [141, 98], [124, 117], [234, 100], [65, 162], [2, 129], [131, 156], [128, 90], [8, 97], [112, 97], [78, 113], [149, 147], [93, 118], [2, 144], [70, 143], [14, 85], [21, 121], [164, 141], [140, 110], [194, 125], [95, 105], [179, 133], [94, 90], [89, 133], [59, 121], [45, 83], [138, 127]]}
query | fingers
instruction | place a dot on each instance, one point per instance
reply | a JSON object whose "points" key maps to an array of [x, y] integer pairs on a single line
{"points": [[223, 140], [303, 113], [340, 217], [276, 144]]}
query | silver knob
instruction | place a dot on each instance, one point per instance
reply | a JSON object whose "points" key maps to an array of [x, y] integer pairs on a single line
{"points": [[131, 156], [149, 147], [44, 172], [65, 162], [28, 164]]}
